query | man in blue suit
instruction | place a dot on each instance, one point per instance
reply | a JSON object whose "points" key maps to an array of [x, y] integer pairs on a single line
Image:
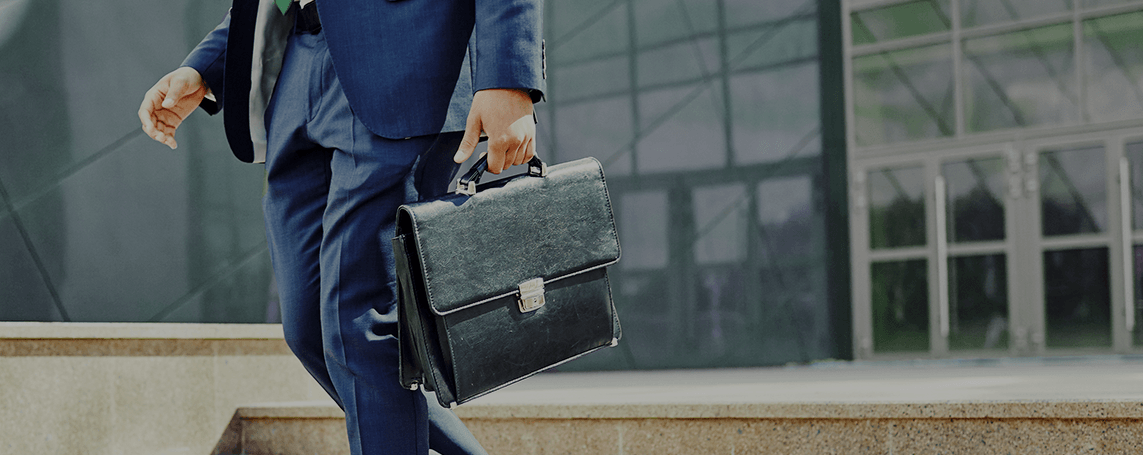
{"points": [[358, 106]]}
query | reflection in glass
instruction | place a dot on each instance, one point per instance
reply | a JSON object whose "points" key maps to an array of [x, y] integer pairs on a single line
{"points": [[682, 129], [978, 302], [584, 29], [643, 228], [693, 60], [720, 318], [1134, 153], [1020, 79], [900, 21], [900, 305], [1073, 191], [720, 222], [975, 191], [1113, 59], [763, 134], [896, 207], [787, 224], [660, 21], [795, 42], [981, 12], [903, 95], [596, 77], [610, 123], [748, 12], [1077, 300]]}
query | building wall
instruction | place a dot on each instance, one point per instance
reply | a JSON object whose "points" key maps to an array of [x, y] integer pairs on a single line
{"points": [[995, 158], [706, 115], [98, 222]]}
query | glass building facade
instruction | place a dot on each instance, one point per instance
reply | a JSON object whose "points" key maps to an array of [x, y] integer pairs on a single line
{"points": [[994, 159], [720, 124]]}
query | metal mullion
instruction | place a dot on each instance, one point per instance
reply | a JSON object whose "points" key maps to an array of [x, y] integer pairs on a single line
{"points": [[899, 254], [1077, 61], [724, 78], [958, 72], [1031, 133], [633, 88], [977, 248], [899, 44], [1075, 241]]}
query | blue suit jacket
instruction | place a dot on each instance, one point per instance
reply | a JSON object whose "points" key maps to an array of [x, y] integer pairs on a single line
{"points": [[408, 67]]}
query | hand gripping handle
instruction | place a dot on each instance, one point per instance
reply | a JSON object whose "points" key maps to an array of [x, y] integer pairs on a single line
{"points": [[467, 183]]}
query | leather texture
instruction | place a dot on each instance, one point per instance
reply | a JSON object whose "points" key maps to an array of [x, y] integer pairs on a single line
{"points": [[461, 259]]}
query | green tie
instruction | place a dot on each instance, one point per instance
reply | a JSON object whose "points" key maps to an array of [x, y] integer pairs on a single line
{"points": [[283, 5]]}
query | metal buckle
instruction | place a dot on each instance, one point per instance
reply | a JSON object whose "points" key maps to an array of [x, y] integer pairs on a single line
{"points": [[531, 295], [467, 190]]}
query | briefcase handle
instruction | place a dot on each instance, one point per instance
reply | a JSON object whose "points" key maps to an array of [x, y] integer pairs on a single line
{"points": [[467, 183]]}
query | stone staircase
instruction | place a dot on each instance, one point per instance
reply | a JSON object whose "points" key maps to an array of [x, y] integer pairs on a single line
{"points": [[1008, 406]]}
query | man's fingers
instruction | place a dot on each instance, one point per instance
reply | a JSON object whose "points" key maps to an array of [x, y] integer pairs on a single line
{"points": [[530, 151], [469, 141]]}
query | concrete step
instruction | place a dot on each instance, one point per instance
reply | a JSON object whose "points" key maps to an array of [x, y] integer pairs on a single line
{"points": [[1086, 405]]}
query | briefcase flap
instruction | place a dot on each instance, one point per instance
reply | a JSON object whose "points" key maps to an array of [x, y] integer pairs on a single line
{"points": [[512, 233]]}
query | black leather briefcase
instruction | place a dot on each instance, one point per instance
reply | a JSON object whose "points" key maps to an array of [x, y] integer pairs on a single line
{"points": [[502, 280]]}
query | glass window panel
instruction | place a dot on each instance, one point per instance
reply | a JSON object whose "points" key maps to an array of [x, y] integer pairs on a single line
{"points": [[899, 21], [1137, 302], [975, 192], [900, 305], [978, 302], [788, 226], [749, 12], [1073, 191], [658, 21], [599, 128], [1113, 59], [720, 223], [682, 129], [1077, 298], [904, 95], [688, 61], [592, 78], [1020, 79], [790, 42], [585, 29], [981, 12], [721, 324], [1134, 153], [896, 207], [643, 228], [763, 132]]}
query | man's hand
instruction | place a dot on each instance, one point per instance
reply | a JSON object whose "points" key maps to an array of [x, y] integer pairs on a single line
{"points": [[506, 116], [166, 104]]}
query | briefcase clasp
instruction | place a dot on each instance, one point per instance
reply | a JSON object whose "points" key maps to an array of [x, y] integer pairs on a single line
{"points": [[531, 295]]}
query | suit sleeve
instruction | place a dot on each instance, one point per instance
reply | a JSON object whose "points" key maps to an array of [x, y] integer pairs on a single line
{"points": [[209, 59], [508, 51]]}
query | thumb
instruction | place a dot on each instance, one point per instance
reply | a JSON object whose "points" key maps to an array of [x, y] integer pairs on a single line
{"points": [[177, 90], [469, 141]]}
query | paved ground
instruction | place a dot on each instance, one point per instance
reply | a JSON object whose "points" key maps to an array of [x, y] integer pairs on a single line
{"points": [[1099, 378]]}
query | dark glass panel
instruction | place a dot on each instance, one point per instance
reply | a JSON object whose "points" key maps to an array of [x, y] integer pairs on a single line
{"points": [[900, 305], [978, 302], [1077, 298]]}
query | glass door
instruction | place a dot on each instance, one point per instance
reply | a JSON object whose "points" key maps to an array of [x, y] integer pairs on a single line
{"points": [[972, 195]]}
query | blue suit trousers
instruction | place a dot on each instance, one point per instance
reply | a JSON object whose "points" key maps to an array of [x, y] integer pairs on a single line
{"points": [[333, 190]]}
